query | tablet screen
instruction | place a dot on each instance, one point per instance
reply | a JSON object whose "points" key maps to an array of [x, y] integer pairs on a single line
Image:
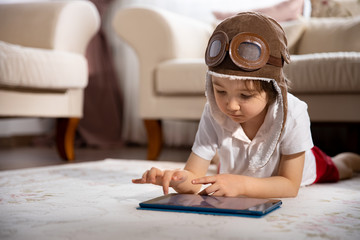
{"points": [[190, 201]]}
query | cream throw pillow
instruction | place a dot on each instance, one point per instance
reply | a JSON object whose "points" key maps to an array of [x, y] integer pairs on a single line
{"points": [[331, 35]]}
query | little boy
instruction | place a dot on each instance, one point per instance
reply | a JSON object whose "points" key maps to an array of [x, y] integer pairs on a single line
{"points": [[260, 132]]}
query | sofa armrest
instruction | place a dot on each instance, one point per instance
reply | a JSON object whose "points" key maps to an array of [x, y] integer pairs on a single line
{"points": [[49, 25], [157, 35], [330, 35]]}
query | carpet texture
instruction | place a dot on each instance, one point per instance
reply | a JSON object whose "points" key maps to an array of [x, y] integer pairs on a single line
{"points": [[96, 200]]}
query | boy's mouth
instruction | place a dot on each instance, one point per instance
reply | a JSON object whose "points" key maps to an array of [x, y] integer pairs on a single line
{"points": [[235, 116]]}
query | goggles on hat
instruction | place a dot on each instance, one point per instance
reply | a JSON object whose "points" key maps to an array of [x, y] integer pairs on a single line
{"points": [[248, 51]]}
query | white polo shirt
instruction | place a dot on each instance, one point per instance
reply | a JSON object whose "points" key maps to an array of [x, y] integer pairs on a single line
{"points": [[234, 146]]}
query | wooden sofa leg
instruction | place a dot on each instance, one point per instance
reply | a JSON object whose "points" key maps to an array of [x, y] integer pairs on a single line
{"points": [[154, 134], [65, 137]]}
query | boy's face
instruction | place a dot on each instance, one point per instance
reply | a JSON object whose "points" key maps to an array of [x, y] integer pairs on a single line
{"points": [[240, 101]]}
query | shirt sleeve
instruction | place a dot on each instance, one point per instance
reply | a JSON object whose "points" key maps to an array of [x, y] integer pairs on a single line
{"points": [[297, 133], [205, 144]]}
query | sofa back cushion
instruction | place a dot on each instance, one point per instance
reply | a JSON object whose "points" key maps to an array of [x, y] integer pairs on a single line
{"points": [[324, 73], [294, 31]]}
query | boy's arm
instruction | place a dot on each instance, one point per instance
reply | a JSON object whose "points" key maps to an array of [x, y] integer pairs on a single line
{"points": [[286, 184]]}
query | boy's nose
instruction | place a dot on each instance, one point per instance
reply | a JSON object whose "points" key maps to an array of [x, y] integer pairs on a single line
{"points": [[233, 105]]}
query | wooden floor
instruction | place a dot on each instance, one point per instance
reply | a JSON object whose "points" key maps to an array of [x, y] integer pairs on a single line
{"points": [[28, 156]]}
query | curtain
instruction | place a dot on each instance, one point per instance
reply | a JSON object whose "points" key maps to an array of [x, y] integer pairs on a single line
{"points": [[101, 125]]}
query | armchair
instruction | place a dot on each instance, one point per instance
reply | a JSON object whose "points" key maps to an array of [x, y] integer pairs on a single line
{"points": [[43, 70]]}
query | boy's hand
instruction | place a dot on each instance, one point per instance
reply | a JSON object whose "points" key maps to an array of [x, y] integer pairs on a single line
{"points": [[166, 178], [221, 185]]}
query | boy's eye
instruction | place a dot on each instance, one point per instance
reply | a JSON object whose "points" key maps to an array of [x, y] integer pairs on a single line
{"points": [[246, 96], [220, 92]]}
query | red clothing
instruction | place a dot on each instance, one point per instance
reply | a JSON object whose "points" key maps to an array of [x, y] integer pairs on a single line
{"points": [[326, 171]]}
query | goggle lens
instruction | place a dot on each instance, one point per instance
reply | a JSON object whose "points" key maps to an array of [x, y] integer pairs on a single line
{"points": [[249, 51], [215, 48]]}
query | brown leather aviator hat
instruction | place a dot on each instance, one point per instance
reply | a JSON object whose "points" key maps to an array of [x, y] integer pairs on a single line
{"points": [[248, 44]]}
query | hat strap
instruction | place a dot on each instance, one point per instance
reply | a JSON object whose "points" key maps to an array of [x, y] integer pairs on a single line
{"points": [[275, 61]]}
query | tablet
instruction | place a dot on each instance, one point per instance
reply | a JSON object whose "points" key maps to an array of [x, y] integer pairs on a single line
{"points": [[233, 206]]}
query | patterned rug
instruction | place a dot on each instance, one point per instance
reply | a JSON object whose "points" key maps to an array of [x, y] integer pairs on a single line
{"points": [[96, 200]]}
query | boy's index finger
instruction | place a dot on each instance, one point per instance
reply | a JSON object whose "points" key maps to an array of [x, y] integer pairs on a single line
{"points": [[204, 180], [138, 180]]}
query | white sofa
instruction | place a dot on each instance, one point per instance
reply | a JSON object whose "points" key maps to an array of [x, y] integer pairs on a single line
{"points": [[43, 69], [325, 68]]}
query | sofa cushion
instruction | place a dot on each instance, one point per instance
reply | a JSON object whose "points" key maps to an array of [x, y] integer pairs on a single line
{"points": [[324, 73], [41, 69], [331, 35], [181, 77], [293, 30]]}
